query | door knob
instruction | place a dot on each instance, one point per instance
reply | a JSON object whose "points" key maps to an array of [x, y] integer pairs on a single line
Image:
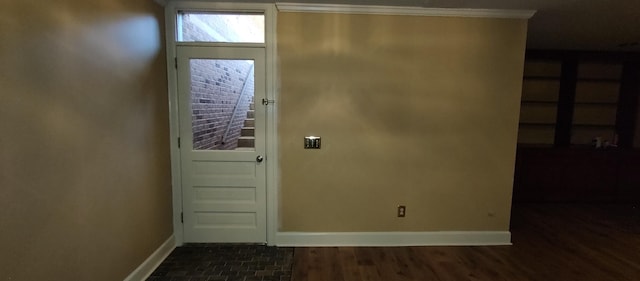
{"points": [[259, 158]]}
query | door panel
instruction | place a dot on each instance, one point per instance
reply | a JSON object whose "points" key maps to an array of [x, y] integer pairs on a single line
{"points": [[222, 134]]}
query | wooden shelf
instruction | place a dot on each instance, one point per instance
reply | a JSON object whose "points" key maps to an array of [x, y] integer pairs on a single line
{"points": [[604, 80], [535, 145], [595, 125], [541, 77], [539, 102], [604, 103], [537, 124]]}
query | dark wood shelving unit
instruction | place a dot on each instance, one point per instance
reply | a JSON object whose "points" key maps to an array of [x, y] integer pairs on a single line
{"points": [[541, 77], [574, 97], [594, 125], [599, 79], [539, 102], [595, 103], [537, 124]]}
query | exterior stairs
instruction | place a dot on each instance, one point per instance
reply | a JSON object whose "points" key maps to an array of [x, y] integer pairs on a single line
{"points": [[247, 134]]}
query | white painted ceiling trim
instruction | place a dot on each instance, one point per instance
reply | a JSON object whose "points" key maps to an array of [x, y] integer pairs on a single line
{"points": [[404, 11], [392, 10]]}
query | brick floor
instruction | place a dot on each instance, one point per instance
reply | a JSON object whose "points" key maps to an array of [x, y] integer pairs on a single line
{"points": [[225, 262]]}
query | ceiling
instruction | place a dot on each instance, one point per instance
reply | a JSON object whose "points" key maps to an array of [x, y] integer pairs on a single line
{"points": [[611, 25]]}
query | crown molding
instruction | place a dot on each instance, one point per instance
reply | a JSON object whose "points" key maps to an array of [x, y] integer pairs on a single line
{"points": [[392, 10], [405, 11]]}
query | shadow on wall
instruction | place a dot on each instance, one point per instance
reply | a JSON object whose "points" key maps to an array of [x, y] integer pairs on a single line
{"points": [[85, 177], [404, 87], [414, 110]]}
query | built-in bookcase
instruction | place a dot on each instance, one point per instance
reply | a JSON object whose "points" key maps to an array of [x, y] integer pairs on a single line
{"points": [[538, 111], [596, 102], [570, 99]]}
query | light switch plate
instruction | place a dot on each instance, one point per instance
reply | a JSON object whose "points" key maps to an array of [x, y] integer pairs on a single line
{"points": [[311, 142]]}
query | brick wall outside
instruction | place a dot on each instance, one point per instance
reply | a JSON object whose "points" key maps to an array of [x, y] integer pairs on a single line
{"points": [[191, 32], [232, 30], [216, 87]]}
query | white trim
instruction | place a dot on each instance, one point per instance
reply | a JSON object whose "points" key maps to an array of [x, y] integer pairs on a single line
{"points": [[174, 128], [404, 11], [153, 261], [273, 163], [388, 239]]}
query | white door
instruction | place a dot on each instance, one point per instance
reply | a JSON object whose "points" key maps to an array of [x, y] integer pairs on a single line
{"points": [[222, 143]]}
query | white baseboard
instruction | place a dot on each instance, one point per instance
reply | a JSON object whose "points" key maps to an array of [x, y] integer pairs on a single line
{"points": [[391, 239], [153, 261]]}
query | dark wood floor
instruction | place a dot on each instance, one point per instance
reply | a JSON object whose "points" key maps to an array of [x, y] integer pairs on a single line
{"points": [[563, 242]]}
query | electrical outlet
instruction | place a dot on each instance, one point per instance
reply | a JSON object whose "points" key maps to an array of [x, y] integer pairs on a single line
{"points": [[402, 211]]}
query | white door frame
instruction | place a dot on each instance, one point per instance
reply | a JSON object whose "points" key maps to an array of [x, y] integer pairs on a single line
{"points": [[271, 154]]}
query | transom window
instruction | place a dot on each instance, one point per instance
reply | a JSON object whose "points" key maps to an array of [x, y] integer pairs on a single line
{"points": [[220, 27]]}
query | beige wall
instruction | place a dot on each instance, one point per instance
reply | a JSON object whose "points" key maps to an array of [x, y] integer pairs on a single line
{"points": [[419, 111], [84, 163]]}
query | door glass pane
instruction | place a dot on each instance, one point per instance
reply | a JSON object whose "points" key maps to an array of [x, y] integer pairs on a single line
{"points": [[220, 27], [222, 104]]}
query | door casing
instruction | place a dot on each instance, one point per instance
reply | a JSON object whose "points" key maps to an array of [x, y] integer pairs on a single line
{"points": [[271, 152]]}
